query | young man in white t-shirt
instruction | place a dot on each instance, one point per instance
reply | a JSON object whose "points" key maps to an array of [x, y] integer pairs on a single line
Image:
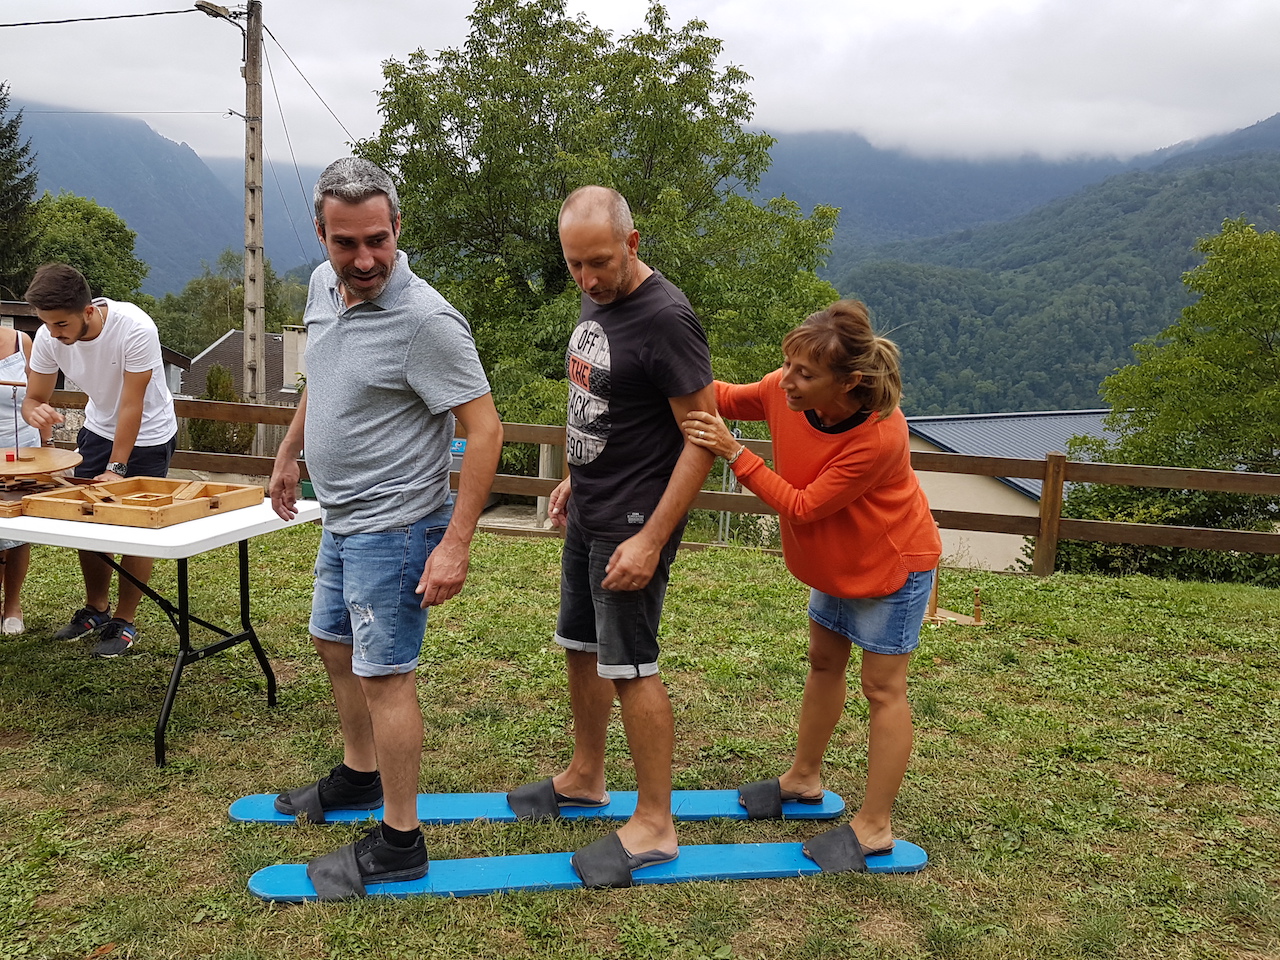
{"points": [[111, 351]]}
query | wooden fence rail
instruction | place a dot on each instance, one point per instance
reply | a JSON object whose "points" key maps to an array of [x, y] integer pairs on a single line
{"points": [[1048, 528]]}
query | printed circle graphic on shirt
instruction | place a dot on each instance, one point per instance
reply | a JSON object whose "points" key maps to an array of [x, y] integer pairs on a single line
{"points": [[587, 363]]}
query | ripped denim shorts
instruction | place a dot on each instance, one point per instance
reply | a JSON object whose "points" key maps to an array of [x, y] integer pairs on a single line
{"points": [[364, 593]]}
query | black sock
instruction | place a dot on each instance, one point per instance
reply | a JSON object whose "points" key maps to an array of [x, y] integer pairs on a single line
{"points": [[400, 838], [357, 778]]}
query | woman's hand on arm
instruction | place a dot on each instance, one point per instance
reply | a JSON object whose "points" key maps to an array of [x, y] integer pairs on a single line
{"points": [[709, 431]]}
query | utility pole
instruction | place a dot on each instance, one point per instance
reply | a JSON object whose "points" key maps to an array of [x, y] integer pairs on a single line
{"points": [[255, 320], [255, 315]]}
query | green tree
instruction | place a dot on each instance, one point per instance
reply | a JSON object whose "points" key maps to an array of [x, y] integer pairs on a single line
{"points": [[487, 139], [213, 303], [17, 189], [1206, 393], [91, 238], [208, 306], [220, 436]]}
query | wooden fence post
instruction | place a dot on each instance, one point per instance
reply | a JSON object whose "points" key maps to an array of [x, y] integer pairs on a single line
{"points": [[550, 464], [932, 613], [1046, 553]]}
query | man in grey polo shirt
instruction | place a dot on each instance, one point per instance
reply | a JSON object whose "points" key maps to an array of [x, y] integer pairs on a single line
{"points": [[390, 364]]}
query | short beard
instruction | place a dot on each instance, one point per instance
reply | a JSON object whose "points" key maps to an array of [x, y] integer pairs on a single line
{"points": [[370, 293], [625, 275]]}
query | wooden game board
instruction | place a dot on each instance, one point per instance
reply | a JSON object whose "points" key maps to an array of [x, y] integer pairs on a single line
{"points": [[141, 501]]}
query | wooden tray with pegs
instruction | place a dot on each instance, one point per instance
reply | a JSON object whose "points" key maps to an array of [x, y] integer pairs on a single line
{"points": [[13, 489], [141, 501]]}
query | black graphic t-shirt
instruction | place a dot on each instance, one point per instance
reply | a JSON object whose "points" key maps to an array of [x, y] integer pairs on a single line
{"points": [[625, 360]]}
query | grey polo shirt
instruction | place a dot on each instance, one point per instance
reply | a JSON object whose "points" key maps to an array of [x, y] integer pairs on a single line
{"points": [[382, 379]]}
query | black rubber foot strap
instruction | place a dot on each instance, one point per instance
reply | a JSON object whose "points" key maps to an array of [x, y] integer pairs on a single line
{"points": [[762, 799], [603, 863], [336, 876], [305, 801], [838, 850], [535, 801]]}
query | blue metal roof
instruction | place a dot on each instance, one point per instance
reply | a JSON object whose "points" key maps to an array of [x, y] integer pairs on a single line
{"points": [[1024, 435]]}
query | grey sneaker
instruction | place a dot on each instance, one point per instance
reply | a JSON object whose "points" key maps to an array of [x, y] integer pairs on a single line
{"points": [[84, 621], [116, 638]]}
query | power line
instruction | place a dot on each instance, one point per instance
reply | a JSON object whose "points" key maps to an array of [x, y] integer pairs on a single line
{"points": [[308, 83], [288, 140], [117, 16], [128, 113], [306, 257]]}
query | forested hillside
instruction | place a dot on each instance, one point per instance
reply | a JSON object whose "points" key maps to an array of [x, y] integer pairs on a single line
{"points": [[186, 211], [887, 195], [161, 189], [1034, 313], [286, 207], [1029, 313]]}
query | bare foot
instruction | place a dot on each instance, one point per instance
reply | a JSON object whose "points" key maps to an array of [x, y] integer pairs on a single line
{"points": [[582, 788], [793, 787], [873, 836], [638, 837]]}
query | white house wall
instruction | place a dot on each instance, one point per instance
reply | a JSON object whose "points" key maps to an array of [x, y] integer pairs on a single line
{"points": [[973, 494]]}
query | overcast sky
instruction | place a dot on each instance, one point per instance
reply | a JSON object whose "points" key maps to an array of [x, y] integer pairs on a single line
{"points": [[938, 77]]}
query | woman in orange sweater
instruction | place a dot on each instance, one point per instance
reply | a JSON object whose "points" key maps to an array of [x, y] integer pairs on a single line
{"points": [[856, 528]]}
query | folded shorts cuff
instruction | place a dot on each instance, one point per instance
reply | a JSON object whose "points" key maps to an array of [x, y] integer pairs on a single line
{"points": [[363, 668], [625, 671], [579, 645], [331, 637]]}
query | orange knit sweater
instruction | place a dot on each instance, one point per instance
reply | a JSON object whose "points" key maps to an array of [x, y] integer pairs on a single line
{"points": [[854, 519]]}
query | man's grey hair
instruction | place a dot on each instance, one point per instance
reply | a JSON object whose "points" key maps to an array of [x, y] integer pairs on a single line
{"points": [[600, 202], [353, 180]]}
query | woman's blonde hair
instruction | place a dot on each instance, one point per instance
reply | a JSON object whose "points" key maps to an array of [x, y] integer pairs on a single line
{"points": [[841, 339]]}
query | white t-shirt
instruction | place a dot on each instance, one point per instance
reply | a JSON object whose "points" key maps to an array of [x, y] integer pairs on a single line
{"points": [[129, 342]]}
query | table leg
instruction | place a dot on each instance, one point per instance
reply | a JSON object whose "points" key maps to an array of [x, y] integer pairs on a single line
{"points": [[181, 618], [247, 625], [183, 625]]}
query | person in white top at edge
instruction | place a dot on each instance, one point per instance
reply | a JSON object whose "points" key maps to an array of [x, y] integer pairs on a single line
{"points": [[15, 556], [111, 351]]}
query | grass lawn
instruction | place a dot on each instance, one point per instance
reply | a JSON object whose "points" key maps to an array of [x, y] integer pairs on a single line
{"points": [[1095, 775]]}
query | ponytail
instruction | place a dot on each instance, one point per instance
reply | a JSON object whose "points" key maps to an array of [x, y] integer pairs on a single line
{"points": [[841, 339]]}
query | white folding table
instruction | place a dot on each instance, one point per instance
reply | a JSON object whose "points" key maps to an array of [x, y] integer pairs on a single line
{"points": [[177, 542]]}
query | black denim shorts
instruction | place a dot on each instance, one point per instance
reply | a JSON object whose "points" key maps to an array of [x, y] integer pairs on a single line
{"points": [[619, 626]]}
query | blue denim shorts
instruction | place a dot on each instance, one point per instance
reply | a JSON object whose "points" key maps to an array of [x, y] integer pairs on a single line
{"points": [[889, 625], [619, 626], [364, 593]]}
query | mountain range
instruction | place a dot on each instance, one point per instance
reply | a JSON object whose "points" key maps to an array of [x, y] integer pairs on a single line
{"points": [[889, 195], [1034, 312], [185, 210], [1013, 284]]}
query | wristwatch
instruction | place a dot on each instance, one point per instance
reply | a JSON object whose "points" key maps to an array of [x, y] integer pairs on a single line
{"points": [[117, 467]]}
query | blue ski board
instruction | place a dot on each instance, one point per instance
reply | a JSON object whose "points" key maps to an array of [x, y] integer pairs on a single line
{"points": [[442, 808], [476, 876]]}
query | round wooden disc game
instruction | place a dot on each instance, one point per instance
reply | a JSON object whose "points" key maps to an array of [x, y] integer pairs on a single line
{"points": [[36, 460]]}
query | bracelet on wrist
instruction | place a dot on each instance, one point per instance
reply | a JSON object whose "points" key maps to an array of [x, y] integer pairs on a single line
{"points": [[734, 459]]}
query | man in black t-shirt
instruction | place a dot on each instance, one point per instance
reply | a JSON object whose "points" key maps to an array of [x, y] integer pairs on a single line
{"points": [[637, 363]]}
